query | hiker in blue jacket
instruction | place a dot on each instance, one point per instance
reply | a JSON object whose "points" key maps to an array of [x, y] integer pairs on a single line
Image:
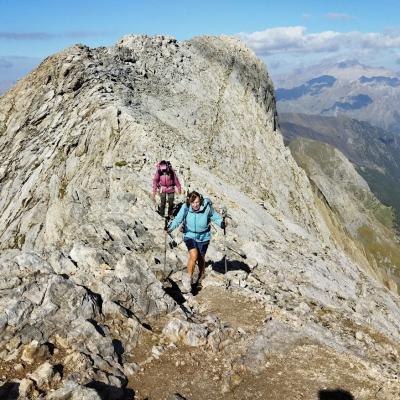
{"points": [[195, 217]]}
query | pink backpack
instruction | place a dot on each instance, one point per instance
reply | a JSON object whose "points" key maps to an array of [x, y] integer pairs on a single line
{"points": [[166, 174]]}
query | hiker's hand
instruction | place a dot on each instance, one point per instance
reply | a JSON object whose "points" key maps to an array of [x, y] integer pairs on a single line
{"points": [[179, 191], [153, 196]]}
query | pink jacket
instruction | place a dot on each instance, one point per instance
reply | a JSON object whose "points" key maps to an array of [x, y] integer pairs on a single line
{"points": [[165, 183]]}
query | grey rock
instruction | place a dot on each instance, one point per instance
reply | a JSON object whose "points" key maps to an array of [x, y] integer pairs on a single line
{"points": [[189, 333], [27, 388], [156, 351], [196, 336], [359, 335], [186, 283], [130, 368], [303, 308], [35, 352], [43, 375], [74, 391]]}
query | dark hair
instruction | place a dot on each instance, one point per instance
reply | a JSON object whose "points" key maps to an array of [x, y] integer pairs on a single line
{"points": [[192, 197]]}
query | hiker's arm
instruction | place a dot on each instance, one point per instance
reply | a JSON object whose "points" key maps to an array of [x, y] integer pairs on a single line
{"points": [[177, 183], [177, 220], [216, 218], [156, 179]]}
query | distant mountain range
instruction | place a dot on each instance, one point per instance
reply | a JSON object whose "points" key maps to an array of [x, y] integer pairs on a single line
{"points": [[347, 88], [13, 68], [373, 151]]}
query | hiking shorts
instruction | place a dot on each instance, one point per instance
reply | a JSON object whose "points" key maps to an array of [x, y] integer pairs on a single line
{"points": [[200, 246]]}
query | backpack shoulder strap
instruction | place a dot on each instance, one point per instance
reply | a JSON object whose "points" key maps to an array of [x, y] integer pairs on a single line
{"points": [[172, 175], [209, 206], [186, 212], [184, 216]]}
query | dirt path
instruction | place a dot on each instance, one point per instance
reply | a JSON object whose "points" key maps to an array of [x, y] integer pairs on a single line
{"points": [[196, 373]]}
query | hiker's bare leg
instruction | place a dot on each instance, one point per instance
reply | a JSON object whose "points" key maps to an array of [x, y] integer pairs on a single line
{"points": [[193, 255], [202, 266]]}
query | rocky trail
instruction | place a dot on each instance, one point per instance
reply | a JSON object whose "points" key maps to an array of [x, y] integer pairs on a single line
{"points": [[226, 365]]}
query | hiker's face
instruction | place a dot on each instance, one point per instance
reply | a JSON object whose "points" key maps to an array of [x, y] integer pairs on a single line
{"points": [[195, 204]]}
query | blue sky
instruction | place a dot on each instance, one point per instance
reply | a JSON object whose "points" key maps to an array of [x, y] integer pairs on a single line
{"points": [[283, 32]]}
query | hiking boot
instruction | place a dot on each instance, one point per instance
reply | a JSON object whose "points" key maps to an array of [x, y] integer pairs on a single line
{"points": [[200, 281]]}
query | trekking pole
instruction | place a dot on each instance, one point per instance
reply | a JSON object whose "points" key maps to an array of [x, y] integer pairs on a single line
{"points": [[165, 243], [224, 215]]}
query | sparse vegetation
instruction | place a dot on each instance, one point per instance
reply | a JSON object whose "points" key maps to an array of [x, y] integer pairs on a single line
{"points": [[121, 163]]}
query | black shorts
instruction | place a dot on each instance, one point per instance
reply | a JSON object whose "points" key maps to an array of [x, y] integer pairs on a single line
{"points": [[200, 246]]}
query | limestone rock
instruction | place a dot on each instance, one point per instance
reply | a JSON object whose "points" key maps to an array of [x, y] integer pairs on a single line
{"points": [[33, 352], [27, 389], [43, 375], [73, 391], [189, 333]]}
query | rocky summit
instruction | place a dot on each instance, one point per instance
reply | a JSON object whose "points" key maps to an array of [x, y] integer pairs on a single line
{"points": [[89, 306]]}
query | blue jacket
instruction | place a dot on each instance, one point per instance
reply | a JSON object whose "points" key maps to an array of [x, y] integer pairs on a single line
{"points": [[197, 223]]}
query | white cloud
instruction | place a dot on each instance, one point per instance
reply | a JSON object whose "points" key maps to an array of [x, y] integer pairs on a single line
{"points": [[295, 40]]}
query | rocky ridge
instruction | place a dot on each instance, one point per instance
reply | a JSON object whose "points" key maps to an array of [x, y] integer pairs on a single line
{"points": [[83, 281]]}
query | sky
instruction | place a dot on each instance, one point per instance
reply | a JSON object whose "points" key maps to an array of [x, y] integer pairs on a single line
{"points": [[286, 34]]}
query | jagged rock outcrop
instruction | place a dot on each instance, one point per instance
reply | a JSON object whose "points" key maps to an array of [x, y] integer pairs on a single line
{"points": [[81, 243]]}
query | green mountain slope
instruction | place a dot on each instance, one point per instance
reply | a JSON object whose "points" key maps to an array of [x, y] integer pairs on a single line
{"points": [[367, 223], [374, 152]]}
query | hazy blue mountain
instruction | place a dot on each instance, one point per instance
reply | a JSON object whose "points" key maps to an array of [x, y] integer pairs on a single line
{"points": [[394, 82], [311, 87], [13, 68], [347, 88], [5, 85], [375, 152], [352, 103]]}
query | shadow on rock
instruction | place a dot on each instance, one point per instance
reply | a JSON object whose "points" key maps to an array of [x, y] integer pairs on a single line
{"points": [[119, 349], [9, 391], [174, 291], [335, 395], [108, 392], [232, 265], [195, 289]]}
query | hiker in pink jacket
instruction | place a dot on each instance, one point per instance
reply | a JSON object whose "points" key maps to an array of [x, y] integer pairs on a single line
{"points": [[165, 182]]}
